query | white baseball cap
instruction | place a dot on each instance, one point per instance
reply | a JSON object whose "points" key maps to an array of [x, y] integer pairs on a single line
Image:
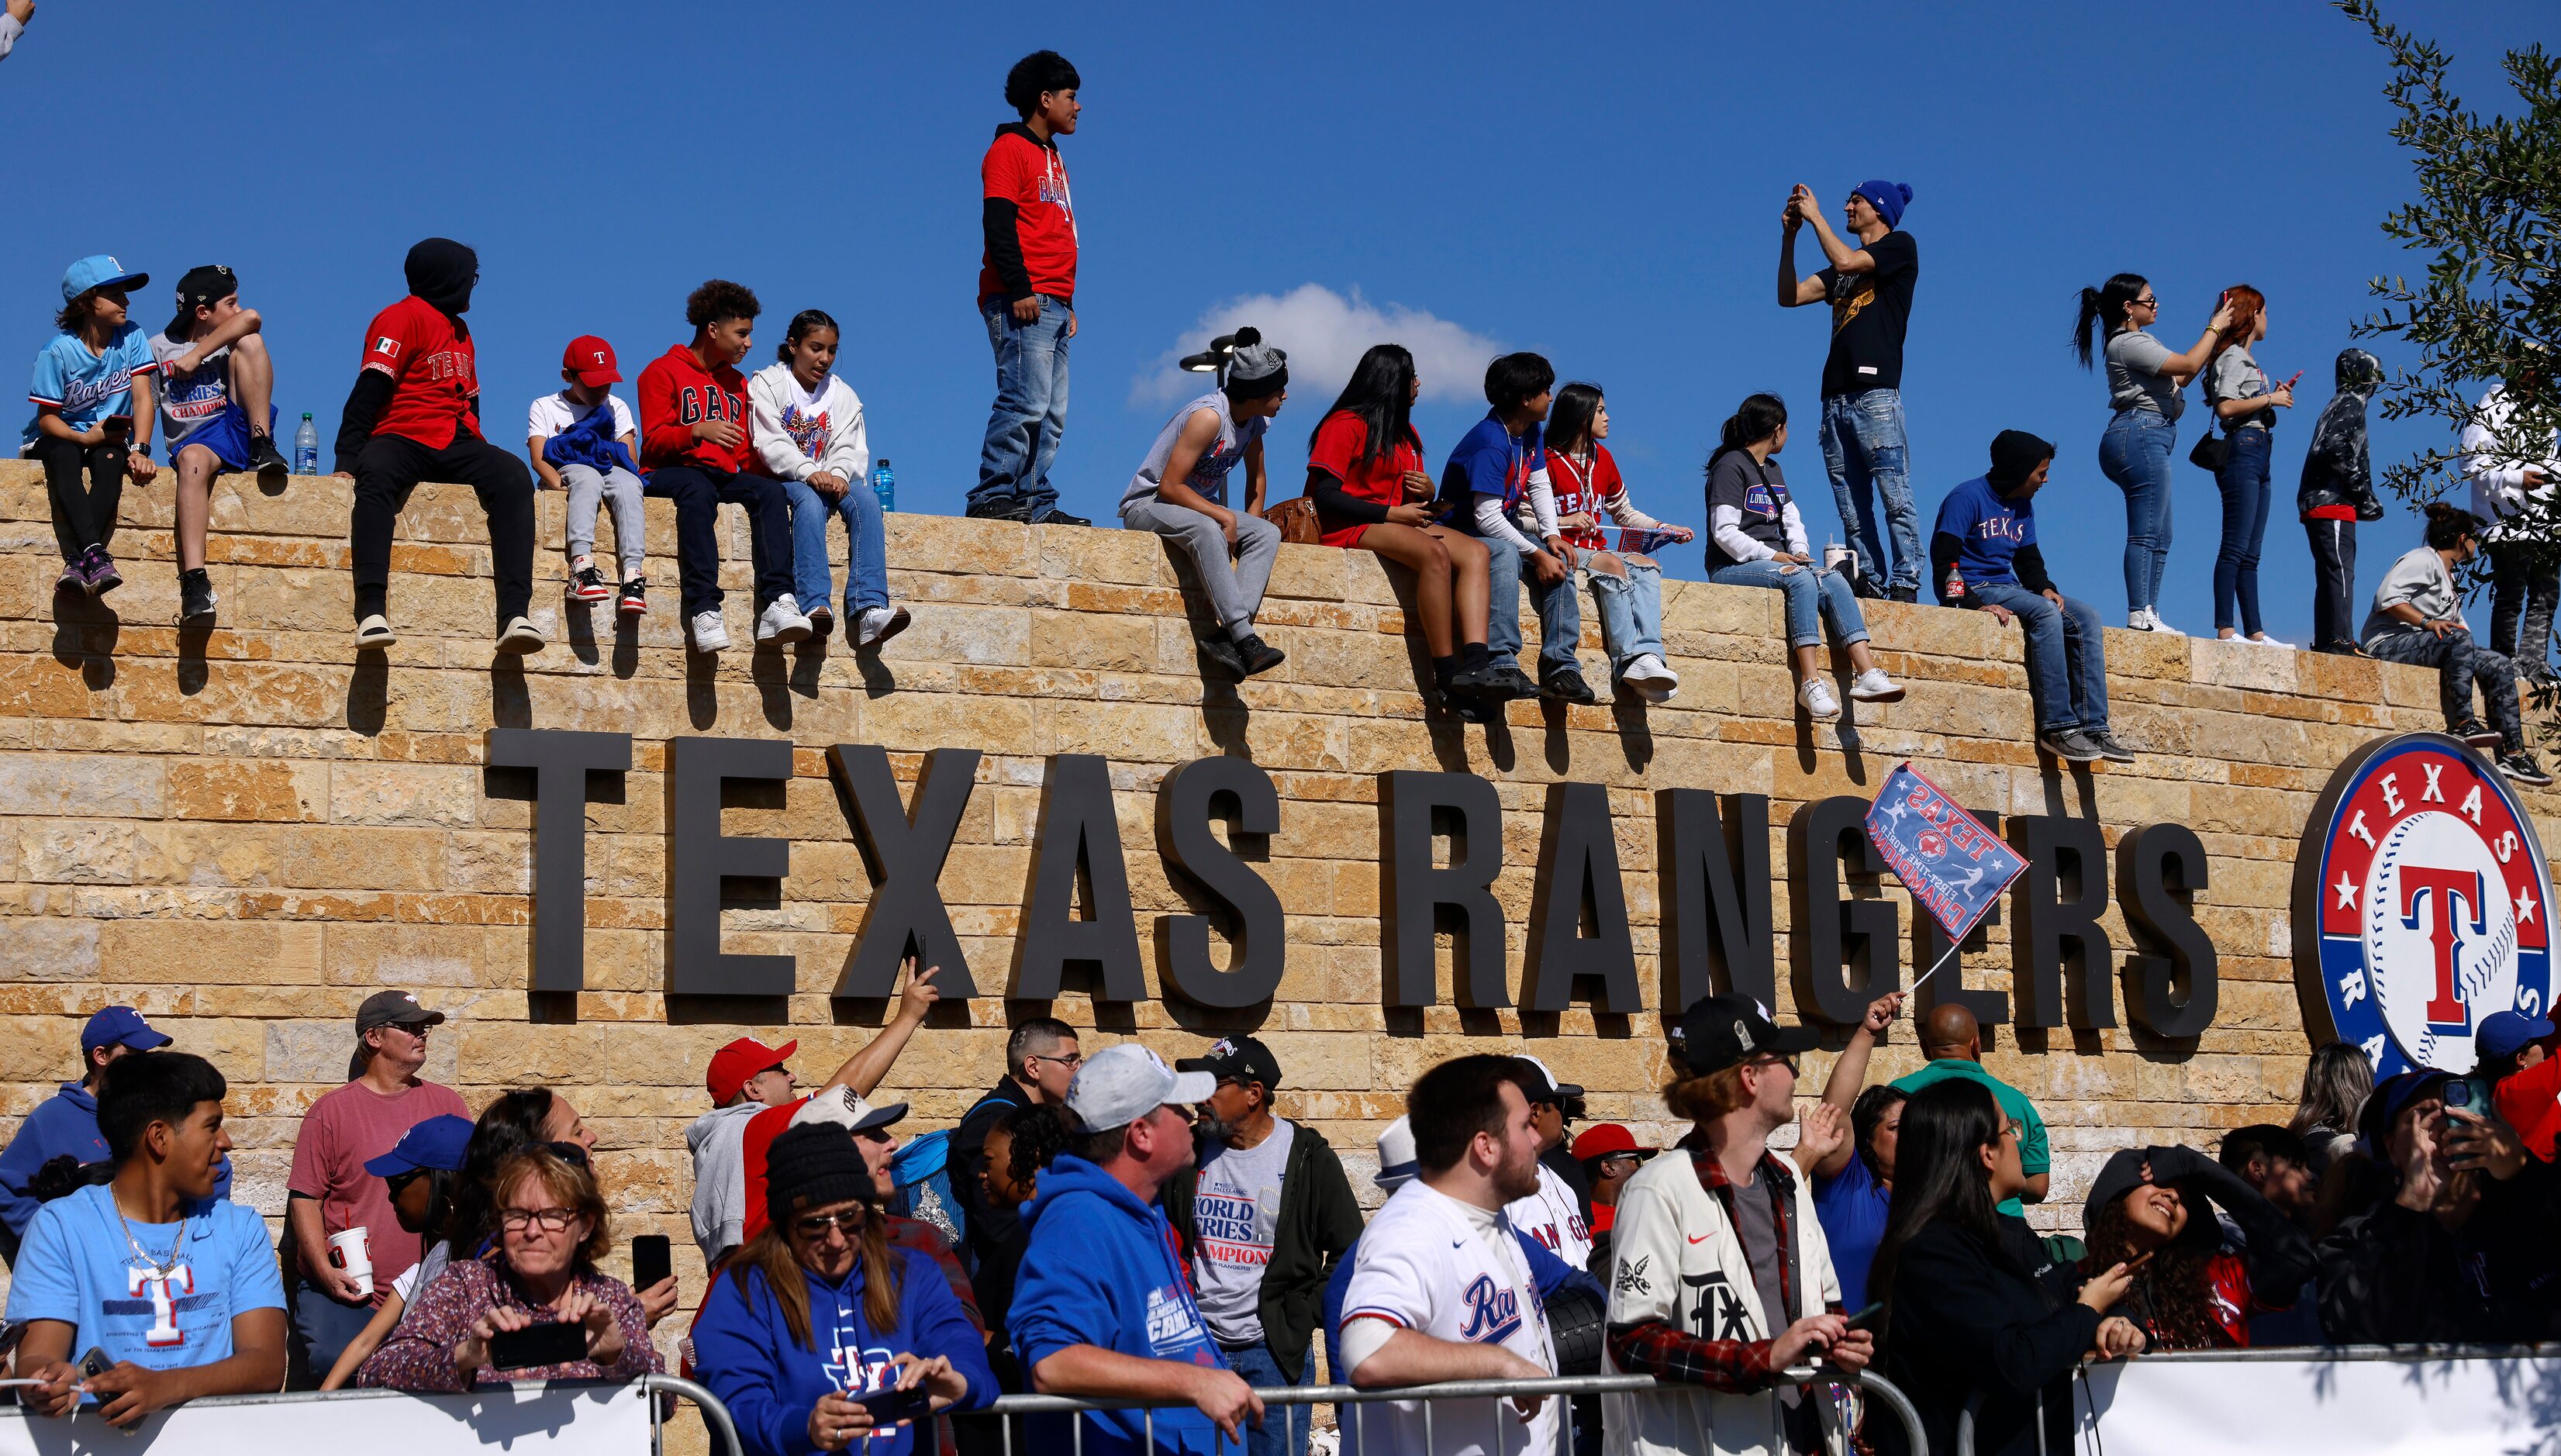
{"points": [[840, 1105], [1118, 1085], [1397, 1165]]}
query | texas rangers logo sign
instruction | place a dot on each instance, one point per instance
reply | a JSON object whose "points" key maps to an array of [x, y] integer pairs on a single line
{"points": [[2420, 901]]}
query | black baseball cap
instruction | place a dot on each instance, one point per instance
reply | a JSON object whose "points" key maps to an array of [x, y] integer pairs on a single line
{"points": [[1719, 1032], [206, 283], [394, 1008], [1237, 1059], [1541, 1084]]}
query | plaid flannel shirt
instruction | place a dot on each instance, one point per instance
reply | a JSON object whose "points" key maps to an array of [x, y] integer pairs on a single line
{"points": [[1738, 1366]]}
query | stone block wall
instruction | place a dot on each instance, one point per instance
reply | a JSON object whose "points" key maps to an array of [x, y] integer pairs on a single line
{"points": [[245, 831]]}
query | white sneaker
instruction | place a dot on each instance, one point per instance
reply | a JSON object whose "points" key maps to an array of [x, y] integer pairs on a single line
{"points": [[1873, 685], [374, 632], [2153, 622], [782, 622], [711, 634], [521, 636], [2264, 640], [878, 625], [1651, 677], [1819, 702], [2138, 620]]}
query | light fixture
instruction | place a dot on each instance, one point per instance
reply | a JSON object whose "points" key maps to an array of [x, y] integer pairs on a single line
{"points": [[1212, 359]]}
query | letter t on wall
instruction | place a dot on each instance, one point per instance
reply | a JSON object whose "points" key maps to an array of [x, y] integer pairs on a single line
{"points": [[560, 761]]}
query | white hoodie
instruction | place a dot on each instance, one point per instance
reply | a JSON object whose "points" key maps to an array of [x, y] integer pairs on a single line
{"points": [[2498, 483], [797, 438]]}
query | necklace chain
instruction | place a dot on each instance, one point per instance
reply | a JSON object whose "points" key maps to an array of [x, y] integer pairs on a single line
{"points": [[177, 1244]]}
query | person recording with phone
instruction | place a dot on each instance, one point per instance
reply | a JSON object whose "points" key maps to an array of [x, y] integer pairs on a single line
{"points": [[819, 1335], [1977, 1312], [2445, 1233], [535, 1307]]}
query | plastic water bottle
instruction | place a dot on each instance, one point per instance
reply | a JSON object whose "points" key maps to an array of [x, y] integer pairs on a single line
{"points": [[1956, 593], [306, 448], [885, 484]]}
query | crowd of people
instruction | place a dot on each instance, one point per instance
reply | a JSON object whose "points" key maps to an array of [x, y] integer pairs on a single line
{"points": [[1112, 1227], [1519, 504]]}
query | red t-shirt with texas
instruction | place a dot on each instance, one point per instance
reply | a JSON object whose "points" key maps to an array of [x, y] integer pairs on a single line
{"points": [[435, 373], [1336, 452], [1018, 169]]}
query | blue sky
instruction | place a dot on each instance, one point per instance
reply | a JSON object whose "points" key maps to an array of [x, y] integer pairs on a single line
{"points": [[1600, 184]]}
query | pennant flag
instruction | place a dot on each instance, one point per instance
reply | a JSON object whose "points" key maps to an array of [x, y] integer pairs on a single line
{"points": [[1945, 855]]}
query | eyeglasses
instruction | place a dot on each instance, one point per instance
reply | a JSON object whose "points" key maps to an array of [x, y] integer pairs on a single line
{"points": [[1612, 1160], [815, 1225], [2011, 1129], [1071, 1061], [517, 1220], [1775, 1059]]}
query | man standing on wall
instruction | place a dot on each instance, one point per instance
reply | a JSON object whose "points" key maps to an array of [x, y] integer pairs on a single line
{"points": [[1266, 1218], [1870, 290], [1027, 293], [1954, 1041], [329, 1192]]}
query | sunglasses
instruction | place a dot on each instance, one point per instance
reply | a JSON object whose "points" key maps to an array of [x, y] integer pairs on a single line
{"points": [[815, 1225]]}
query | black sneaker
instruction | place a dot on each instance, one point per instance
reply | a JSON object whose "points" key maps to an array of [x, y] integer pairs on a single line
{"points": [[1221, 654], [2115, 752], [103, 576], [998, 510], [2071, 745], [1566, 685], [1259, 656], [2520, 767], [195, 596], [1905, 593], [1507, 682], [1467, 683], [264, 459], [1055, 517], [2475, 735], [74, 577]]}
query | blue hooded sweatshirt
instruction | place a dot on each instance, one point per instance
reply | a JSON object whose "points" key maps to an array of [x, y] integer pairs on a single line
{"points": [[590, 441], [1101, 1270], [65, 1123], [771, 1381]]}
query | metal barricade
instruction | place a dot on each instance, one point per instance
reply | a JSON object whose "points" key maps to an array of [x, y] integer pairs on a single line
{"points": [[715, 1414], [1354, 1398]]}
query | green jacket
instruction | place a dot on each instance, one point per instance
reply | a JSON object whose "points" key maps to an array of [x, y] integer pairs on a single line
{"points": [[1318, 1219]]}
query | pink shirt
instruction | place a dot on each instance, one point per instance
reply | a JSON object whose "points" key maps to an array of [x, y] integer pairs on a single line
{"points": [[343, 1130]]}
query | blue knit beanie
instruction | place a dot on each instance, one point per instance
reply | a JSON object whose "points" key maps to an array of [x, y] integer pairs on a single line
{"points": [[1888, 198]]}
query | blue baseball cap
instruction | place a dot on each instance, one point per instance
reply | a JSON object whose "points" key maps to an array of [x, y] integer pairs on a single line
{"points": [[2506, 1032], [99, 270], [119, 1026], [437, 1142]]}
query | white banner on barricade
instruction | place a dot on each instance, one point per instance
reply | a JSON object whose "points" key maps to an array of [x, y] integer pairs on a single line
{"points": [[563, 1421], [2367, 1402]]}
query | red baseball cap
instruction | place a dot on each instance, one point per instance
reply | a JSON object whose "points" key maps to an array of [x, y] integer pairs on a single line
{"points": [[1604, 1138], [735, 1064], [590, 361]]}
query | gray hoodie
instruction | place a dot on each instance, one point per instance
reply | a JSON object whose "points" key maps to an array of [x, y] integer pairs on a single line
{"points": [[718, 1139]]}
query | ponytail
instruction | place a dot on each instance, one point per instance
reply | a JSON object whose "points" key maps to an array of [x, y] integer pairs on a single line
{"points": [[2104, 306], [1757, 418]]}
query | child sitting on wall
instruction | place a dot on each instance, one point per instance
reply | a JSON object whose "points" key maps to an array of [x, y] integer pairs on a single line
{"points": [[583, 442], [89, 379], [809, 427], [216, 392]]}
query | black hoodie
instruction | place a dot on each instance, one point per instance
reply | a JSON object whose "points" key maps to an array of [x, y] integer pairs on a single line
{"points": [[440, 274], [2337, 470]]}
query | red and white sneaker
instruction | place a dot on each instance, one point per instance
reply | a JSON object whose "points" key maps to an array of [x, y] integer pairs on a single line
{"points": [[587, 584], [635, 598]]}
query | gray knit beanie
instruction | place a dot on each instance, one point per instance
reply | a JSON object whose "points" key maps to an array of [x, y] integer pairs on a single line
{"points": [[1253, 369]]}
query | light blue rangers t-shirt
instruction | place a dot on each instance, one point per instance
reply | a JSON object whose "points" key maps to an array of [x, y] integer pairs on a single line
{"points": [[86, 388], [77, 1266]]}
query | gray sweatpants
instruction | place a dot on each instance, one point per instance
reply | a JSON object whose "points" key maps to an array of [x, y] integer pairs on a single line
{"points": [[618, 487], [1235, 585]]}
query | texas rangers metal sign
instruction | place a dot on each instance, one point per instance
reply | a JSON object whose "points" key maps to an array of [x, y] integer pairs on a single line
{"points": [[2421, 904]]}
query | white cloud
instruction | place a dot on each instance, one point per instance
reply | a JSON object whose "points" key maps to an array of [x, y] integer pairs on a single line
{"points": [[1325, 333]]}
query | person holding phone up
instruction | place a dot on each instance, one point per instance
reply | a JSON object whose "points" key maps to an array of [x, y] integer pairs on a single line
{"points": [[535, 1308], [817, 1335]]}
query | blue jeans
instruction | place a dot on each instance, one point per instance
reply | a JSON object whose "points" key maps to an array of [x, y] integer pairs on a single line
{"points": [[1863, 446], [323, 1329], [1812, 592], [2067, 659], [1030, 410], [1559, 616], [2244, 483], [1284, 1427], [2134, 453], [866, 556], [1631, 612]]}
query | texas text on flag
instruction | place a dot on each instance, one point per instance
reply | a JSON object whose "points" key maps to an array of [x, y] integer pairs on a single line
{"points": [[1942, 854]]}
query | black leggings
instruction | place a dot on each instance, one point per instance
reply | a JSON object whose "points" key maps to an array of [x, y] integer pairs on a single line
{"points": [[83, 517], [391, 466], [698, 492]]}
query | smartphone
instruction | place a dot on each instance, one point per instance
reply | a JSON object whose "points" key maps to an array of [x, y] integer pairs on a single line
{"points": [[554, 1344], [889, 1407], [1868, 1318], [651, 1260], [96, 1362], [2470, 1093]]}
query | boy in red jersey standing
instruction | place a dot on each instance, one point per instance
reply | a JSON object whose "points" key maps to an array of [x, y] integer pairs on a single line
{"points": [[1027, 293], [415, 415], [696, 447]]}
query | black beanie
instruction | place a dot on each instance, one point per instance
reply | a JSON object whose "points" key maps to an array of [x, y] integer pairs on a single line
{"points": [[2015, 456], [442, 271], [811, 1166]]}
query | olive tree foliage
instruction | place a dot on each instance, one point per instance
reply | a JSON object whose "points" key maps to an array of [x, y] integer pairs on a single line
{"points": [[2488, 307]]}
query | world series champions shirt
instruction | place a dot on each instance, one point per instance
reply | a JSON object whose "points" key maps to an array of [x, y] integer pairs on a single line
{"points": [[1236, 1211]]}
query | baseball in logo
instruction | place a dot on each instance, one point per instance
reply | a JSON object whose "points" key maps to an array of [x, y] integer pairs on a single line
{"points": [[2421, 896]]}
